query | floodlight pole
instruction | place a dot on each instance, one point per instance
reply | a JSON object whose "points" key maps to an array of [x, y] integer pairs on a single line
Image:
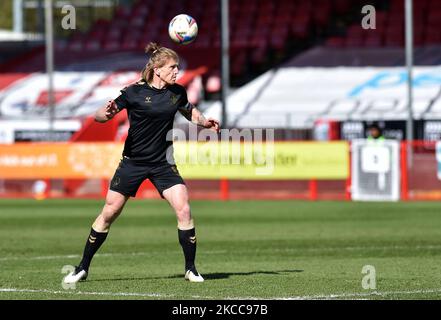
{"points": [[409, 62], [49, 35], [225, 76], [18, 16]]}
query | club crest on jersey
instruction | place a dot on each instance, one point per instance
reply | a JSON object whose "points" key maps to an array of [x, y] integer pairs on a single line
{"points": [[173, 99], [148, 99]]}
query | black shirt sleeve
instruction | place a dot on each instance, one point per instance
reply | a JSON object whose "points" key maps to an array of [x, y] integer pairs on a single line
{"points": [[185, 107], [122, 101]]}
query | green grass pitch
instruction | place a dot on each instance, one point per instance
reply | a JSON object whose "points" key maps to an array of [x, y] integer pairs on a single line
{"points": [[246, 250]]}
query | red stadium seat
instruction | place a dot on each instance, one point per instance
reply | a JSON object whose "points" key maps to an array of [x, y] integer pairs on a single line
{"points": [[355, 30], [300, 31], [238, 64], [373, 41], [144, 39], [434, 18], [202, 42], [354, 42], [279, 38], [258, 42], [397, 5], [265, 19], [129, 44], [321, 18], [335, 42], [122, 13], [114, 33], [381, 18], [260, 38], [394, 40], [259, 56], [432, 36], [420, 6], [111, 45], [136, 22], [76, 45], [395, 29], [418, 39], [92, 44], [284, 11], [434, 5], [239, 42], [342, 6]]}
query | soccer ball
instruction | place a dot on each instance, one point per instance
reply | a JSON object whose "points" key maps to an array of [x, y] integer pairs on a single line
{"points": [[183, 29]]}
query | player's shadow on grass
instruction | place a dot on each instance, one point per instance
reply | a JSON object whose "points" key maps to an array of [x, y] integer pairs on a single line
{"points": [[207, 276], [226, 275]]}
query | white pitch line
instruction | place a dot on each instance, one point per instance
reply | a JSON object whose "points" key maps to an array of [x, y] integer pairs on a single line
{"points": [[68, 256], [367, 294], [72, 256], [158, 295], [341, 295], [392, 247], [115, 294]]}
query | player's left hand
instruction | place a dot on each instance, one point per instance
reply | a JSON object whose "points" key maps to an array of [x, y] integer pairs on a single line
{"points": [[111, 109], [212, 124]]}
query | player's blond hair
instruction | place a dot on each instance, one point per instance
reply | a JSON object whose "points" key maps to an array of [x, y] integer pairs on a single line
{"points": [[158, 57]]}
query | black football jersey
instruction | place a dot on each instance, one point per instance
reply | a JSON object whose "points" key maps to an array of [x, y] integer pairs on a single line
{"points": [[151, 114]]}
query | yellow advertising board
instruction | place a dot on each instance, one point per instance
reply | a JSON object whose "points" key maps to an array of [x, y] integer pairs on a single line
{"points": [[279, 160], [195, 160]]}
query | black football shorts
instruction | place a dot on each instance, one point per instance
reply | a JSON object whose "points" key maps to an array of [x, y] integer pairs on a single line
{"points": [[130, 174]]}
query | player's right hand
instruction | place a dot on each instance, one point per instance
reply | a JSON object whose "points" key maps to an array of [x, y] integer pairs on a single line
{"points": [[111, 109]]}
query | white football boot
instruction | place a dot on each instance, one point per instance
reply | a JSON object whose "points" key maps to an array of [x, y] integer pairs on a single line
{"points": [[75, 276], [193, 276]]}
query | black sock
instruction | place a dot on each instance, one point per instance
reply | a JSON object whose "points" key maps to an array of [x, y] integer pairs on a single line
{"points": [[187, 239], [93, 243]]}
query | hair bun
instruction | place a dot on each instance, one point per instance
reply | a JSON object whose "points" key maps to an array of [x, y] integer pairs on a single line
{"points": [[152, 48]]}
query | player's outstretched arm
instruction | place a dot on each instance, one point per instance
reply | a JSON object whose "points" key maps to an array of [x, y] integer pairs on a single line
{"points": [[198, 118], [107, 112]]}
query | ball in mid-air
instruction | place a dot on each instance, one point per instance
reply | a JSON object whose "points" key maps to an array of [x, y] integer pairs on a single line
{"points": [[183, 29]]}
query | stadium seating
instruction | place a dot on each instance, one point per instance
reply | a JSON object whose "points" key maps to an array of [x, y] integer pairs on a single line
{"points": [[262, 32], [389, 30], [259, 29]]}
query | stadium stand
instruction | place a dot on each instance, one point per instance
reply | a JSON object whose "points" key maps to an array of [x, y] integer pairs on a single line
{"points": [[320, 33], [264, 32], [295, 66], [389, 30]]}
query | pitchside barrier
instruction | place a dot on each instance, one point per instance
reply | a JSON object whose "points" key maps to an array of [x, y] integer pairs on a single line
{"points": [[233, 170]]}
